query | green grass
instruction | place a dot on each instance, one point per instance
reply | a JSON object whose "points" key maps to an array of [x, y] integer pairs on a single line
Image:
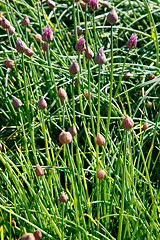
{"points": [[125, 203]]}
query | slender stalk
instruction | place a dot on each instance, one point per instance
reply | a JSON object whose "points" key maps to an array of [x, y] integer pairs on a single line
{"points": [[86, 24], [94, 30], [63, 221]]}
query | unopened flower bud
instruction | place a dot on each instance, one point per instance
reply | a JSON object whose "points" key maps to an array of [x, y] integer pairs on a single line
{"points": [[21, 46], [86, 1], [74, 68], [37, 234], [9, 63], [89, 53], [65, 137], [100, 140], [47, 34], [16, 102], [44, 46], [100, 174], [100, 58], [51, 4], [132, 42], [127, 123], [127, 74], [145, 126], [149, 104], [5, 23], [28, 236], [79, 31], [105, 4], [62, 95], [83, 5], [80, 45], [13, 223], [86, 94], [112, 16], [29, 52], [25, 21], [1, 146], [72, 130], [151, 76], [11, 30], [39, 171], [63, 197], [76, 82], [93, 5], [42, 104], [37, 37]]}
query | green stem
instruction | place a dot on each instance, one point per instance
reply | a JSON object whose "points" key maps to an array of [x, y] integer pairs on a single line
{"points": [[94, 30], [98, 114], [63, 221]]}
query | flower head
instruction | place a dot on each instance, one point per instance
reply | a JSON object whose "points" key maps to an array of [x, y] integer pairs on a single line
{"points": [[145, 126], [39, 171], [83, 5], [5, 23], [100, 58], [37, 37], [42, 104], [127, 74], [86, 1], [74, 68], [11, 30], [149, 104], [151, 76], [1, 146], [93, 5], [100, 140], [105, 4], [37, 234], [9, 63], [112, 16], [25, 21], [28, 236], [65, 137], [21, 46], [62, 95], [29, 52], [80, 45], [16, 102], [127, 123], [89, 53], [86, 94], [44, 46], [47, 34], [72, 130], [132, 42], [51, 4], [79, 31], [63, 197], [13, 223], [100, 174], [76, 82]]}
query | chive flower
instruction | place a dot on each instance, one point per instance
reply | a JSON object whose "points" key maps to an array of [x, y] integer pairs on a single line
{"points": [[132, 42], [127, 123], [47, 34]]}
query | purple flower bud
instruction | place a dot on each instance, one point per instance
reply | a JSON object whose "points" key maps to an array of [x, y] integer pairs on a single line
{"points": [[83, 5], [145, 126], [93, 5], [16, 102], [51, 4], [39, 171], [37, 234], [89, 53], [151, 76], [76, 82], [9, 63], [29, 52], [42, 104], [100, 58], [62, 95], [37, 37], [100, 140], [28, 236], [13, 223], [87, 95], [65, 137], [63, 197], [132, 42], [1, 146], [21, 46], [80, 45], [79, 31], [105, 4], [86, 1], [100, 174], [44, 46], [5, 23], [74, 68], [127, 75], [47, 34], [25, 21], [11, 30], [72, 130], [112, 16], [127, 123]]}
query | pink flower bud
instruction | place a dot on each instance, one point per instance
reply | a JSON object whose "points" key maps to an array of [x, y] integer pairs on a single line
{"points": [[37, 234], [65, 137], [127, 122], [63, 197], [89, 53], [93, 5], [112, 16], [79, 31], [83, 5], [62, 95], [42, 104], [11, 30], [76, 82], [105, 4], [47, 34], [132, 42], [151, 76], [86, 1], [39, 171], [145, 126], [5, 23], [100, 58], [37, 37], [1, 146], [21, 46], [16, 102], [44, 46], [51, 4], [80, 45], [13, 223], [25, 21], [87, 95], [74, 68], [100, 174], [29, 52], [72, 130], [149, 104], [100, 140], [127, 75], [28, 236], [9, 63]]}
